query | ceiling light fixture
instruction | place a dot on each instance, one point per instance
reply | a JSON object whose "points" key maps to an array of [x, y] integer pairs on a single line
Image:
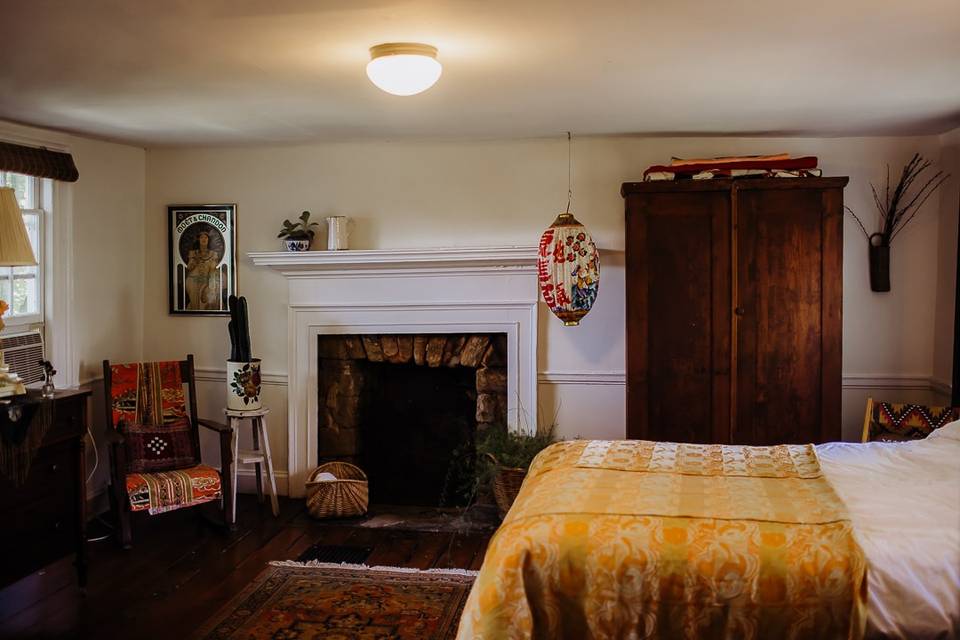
{"points": [[403, 68]]}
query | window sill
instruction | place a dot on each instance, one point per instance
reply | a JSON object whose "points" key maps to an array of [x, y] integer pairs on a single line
{"points": [[22, 323]]}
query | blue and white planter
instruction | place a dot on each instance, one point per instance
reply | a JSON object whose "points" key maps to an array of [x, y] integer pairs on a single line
{"points": [[299, 244]]}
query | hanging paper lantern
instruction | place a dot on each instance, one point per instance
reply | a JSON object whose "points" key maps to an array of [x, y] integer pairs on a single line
{"points": [[568, 267]]}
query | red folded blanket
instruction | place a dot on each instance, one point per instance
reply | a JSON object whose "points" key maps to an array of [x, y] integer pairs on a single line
{"points": [[806, 162]]}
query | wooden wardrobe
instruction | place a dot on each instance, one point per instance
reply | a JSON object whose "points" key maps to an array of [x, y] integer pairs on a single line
{"points": [[733, 296]]}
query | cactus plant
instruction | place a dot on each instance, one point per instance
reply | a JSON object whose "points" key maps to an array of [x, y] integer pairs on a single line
{"points": [[239, 329]]}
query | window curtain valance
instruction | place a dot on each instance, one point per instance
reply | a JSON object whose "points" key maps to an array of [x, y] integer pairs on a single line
{"points": [[42, 163]]}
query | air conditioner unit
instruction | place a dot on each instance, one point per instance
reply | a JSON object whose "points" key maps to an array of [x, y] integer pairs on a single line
{"points": [[23, 352]]}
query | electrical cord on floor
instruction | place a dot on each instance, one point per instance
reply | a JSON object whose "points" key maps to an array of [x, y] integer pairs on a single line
{"points": [[96, 464], [96, 455], [105, 536]]}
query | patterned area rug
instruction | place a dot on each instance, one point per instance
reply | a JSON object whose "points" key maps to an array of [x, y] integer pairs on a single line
{"points": [[304, 601]]}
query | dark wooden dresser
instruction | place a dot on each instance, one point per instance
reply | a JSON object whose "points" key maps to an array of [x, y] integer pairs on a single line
{"points": [[733, 295], [43, 519]]}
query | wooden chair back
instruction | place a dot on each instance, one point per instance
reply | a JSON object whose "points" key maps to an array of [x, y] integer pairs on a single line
{"points": [[913, 421]]}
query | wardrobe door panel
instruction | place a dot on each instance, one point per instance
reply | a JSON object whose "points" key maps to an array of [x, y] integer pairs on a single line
{"points": [[677, 293], [778, 316]]}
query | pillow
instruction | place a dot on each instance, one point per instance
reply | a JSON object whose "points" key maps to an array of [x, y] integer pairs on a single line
{"points": [[949, 431], [162, 448]]}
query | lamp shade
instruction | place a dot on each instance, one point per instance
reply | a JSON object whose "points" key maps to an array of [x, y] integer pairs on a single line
{"points": [[568, 268], [15, 248]]}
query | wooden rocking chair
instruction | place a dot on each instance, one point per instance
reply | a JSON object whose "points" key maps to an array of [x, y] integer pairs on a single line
{"points": [[154, 442]]}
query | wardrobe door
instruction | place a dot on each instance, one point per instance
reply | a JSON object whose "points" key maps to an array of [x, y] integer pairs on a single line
{"points": [[678, 305], [788, 261]]}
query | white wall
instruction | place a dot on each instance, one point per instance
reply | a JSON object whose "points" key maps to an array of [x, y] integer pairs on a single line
{"points": [[442, 193], [108, 271], [105, 308]]}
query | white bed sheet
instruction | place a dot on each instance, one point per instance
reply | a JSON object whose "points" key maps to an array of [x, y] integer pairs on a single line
{"points": [[904, 501]]}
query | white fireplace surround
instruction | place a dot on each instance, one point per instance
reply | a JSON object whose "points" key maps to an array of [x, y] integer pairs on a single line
{"points": [[392, 291]]}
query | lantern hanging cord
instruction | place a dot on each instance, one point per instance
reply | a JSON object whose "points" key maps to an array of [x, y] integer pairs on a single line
{"points": [[569, 171]]}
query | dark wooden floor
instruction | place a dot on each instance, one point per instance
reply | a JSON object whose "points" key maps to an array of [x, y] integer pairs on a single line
{"points": [[180, 571]]}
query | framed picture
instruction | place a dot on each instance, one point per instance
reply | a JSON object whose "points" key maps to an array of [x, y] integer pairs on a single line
{"points": [[203, 257]]}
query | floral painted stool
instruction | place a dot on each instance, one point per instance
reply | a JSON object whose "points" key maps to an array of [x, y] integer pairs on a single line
{"points": [[258, 456]]}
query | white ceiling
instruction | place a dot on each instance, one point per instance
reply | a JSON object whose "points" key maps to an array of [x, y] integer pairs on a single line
{"points": [[174, 72]]}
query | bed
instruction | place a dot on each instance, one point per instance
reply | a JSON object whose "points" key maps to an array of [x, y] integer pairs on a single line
{"points": [[637, 539]]}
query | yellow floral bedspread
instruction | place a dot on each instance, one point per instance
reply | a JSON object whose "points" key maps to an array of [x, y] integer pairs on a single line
{"points": [[639, 539]]}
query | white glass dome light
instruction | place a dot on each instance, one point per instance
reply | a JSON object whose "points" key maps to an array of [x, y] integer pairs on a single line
{"points": [[403, 68]]}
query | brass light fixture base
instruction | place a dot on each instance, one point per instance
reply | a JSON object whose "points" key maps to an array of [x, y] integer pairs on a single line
{"points": [[402, 48]]}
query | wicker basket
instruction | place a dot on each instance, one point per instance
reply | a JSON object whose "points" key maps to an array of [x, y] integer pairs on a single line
{"points": [[506, 485], [345, 497]]}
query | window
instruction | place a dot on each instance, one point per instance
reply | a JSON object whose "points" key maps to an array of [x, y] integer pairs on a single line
{"points": [[22, 287]]}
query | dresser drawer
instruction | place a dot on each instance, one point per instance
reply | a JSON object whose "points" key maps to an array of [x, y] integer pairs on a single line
{"points": [[46, 518], [37, 534], [68, 420], [53, 472]]}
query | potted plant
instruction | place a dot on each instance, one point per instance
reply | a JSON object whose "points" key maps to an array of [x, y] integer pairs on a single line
{"points": [[297, 236], [503, 458]]}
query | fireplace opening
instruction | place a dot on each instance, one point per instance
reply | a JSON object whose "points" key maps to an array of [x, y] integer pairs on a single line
{"points": [[414, 420], [406, 409]]}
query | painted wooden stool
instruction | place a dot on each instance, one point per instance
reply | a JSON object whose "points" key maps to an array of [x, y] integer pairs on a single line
{"points": [[258, 456]]}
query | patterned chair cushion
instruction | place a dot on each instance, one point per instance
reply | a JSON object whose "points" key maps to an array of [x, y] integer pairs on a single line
{"points": [[169, 490], [898, 422], [159, 448]]}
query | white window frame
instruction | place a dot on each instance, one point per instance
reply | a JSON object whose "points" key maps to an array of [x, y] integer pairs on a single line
{"points": [[58, 283], [40, 198]]}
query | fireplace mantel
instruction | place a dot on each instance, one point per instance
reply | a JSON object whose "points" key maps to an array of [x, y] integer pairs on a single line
{"points": [[463, 290], [434, 259]]}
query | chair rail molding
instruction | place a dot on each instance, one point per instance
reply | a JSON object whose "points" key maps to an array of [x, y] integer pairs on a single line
{"points": [[918, 381], [616, 378]]}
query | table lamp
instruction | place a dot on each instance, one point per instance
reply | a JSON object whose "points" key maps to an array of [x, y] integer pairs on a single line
{"points": [[15, 251]]}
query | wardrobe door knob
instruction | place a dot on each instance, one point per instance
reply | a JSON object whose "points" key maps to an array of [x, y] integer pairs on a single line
{"points": [[739, 311]]}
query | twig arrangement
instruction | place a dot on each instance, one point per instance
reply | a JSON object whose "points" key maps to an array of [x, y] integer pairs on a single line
{"points": [[239, 329], [897, 209]]}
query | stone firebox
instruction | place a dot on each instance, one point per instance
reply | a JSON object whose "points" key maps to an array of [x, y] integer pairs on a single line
{"points": [[455, 292], [404, 407]]}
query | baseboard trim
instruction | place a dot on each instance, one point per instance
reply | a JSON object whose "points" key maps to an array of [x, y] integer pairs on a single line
{"points": [[247, 481]]}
